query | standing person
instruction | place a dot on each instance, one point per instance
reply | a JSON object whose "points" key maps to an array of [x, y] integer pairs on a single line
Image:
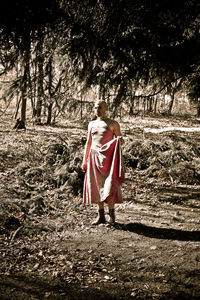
{"points": [[103, 164]]}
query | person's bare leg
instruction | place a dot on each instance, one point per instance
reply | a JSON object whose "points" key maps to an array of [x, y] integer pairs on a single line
{"points": [[111, 207], [101, 214], [101, 205]]}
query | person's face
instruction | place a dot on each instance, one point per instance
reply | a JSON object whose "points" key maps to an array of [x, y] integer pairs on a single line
{"points": [[100, 109]]}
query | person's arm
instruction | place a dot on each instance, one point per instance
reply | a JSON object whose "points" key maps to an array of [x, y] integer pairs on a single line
{"points": [[87, 149], [117, 131]]}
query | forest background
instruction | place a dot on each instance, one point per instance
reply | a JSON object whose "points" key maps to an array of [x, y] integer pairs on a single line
{"points": [[56, 56]]}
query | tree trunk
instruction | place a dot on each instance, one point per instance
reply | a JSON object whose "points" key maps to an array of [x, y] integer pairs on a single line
{"points": [[149, 104], [18, 98], [40, 94], [17, 106], [50, 83], [49, 113], [34, 110], [155, 105], [26, 58], [171, 103], [81, 107], [198, 108], [23, 107], [131, 110]]}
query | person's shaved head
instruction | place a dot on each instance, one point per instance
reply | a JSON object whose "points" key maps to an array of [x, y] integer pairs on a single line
{"points": [[100, 108], [102, 102]]}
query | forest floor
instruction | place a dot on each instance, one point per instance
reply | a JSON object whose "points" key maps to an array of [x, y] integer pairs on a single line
{"points": [[48, 248]]}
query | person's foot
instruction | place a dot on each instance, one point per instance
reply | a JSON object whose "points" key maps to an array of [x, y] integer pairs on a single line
{"points": [[100, 218]]}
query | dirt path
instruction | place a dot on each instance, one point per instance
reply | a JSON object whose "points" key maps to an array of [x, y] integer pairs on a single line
{"points": [[153, 252], [185, 129]]}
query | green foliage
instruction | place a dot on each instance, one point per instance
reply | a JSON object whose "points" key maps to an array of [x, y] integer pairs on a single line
{"points": [[114, 42]]}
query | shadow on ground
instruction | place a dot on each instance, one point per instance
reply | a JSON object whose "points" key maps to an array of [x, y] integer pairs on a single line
{"points": [[28, 287], [33, 287], [160, 233]]}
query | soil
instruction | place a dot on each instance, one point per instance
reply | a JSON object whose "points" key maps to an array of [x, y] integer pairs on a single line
{"points": [[51, 251]]}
